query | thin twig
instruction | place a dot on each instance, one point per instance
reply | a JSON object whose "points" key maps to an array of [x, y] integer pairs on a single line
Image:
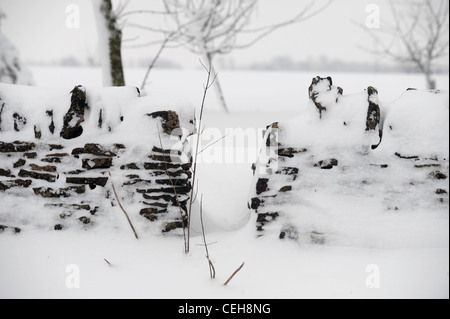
{"points": [[219, 90], [209, 244], [143, 12], [120, 8], [306, 14], [212, 270], [196, 193], [213, 143], [120, 204], [237, 270], [165, 43], [152, 64], [106, 260]]}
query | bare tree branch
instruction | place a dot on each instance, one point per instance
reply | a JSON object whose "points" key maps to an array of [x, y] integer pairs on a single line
{"points": [[120, 8], [152, 64], [211, 27], [124, 14], [267, 30]]}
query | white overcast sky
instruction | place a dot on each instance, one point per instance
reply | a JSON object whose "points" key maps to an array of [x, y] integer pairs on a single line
{"points": [[38, 29]]}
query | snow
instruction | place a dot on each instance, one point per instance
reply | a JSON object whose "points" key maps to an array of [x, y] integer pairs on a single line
{"points": [[410, 246], [34, 102], [408, 123], [123, 113], [34, 266], [283, 91], [430, 118]]}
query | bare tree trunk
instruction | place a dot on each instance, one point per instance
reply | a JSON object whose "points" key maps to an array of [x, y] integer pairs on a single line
{"points": [[110, 41], [431, 83], [219, 91]]}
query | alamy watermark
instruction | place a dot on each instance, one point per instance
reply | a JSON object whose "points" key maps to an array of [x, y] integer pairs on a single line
{"points": [[374, 276], [73, 277], [373, 19], [229, 146], [73, 16]]}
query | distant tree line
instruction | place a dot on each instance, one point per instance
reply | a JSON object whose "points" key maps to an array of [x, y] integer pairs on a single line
{"points": [[279, 63], [323, 63]]}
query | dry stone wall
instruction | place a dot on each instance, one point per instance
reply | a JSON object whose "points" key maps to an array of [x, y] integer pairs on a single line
{"points": [[350, 152], [62, 176]]}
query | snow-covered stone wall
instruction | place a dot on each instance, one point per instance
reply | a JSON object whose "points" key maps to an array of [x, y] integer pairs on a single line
{"points": [[61, 152], [347, 156]]}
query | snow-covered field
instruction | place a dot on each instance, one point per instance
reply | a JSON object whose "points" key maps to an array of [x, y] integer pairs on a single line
{"points": [[43, 265], [413, 264]]}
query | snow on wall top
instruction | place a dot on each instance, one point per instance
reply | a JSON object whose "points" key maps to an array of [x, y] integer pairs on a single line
{"points": [[416, 123], [118, 113]]}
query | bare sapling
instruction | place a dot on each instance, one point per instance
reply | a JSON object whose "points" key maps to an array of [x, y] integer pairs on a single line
{"points": [[209, 83]]}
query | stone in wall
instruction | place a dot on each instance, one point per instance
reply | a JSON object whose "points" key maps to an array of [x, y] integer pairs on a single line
{"points": [[74, 117]]}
